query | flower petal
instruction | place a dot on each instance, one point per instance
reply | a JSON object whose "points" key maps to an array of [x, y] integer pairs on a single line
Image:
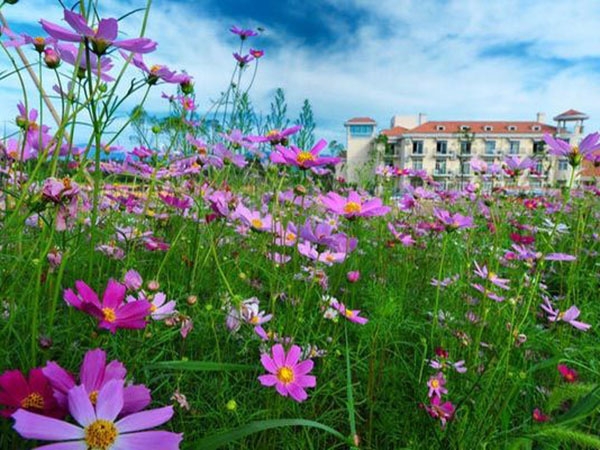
{"points": [[268, 363], [145, 419], [304, 367], [110, 400], [278, 355], [92, 369], [114, 294], [35, 426], [293, 355], [80, 406], [268, 380], [147, 440], [135, 398], [74, 445], [107, 29]]}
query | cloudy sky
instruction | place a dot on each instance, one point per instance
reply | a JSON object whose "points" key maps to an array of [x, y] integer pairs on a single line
{"points": [[449, 59]]}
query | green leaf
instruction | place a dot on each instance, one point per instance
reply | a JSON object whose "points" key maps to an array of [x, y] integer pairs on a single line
{"points": [[582, 408], [201, 366], [218, 440]]}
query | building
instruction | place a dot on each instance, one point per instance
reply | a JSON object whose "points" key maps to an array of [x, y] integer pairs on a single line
{"points": [[445, 149]]}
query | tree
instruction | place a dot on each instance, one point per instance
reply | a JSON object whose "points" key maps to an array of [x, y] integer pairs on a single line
{"points": [[244, 117], [305, 138], [277, 118]]}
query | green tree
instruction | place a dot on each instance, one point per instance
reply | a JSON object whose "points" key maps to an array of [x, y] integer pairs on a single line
{"points": [[305, 138], [277, 118]]}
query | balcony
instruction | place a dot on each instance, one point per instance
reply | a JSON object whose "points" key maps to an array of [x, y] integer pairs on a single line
{"points": [[443, 173]]}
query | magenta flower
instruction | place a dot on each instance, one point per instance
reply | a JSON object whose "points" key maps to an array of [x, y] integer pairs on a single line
{"points": [[436, 385], [539, 416], [351, 314], [353, 276], [303, 159], [94, 373], [439, 410], [243, 60], [112, 312], [516, 166], [133, 280], [33, 394], [575, 153], [483, 272], [253, 219], [100, 38], [98, 427], [353, 206], [70, 54], [287, 374], [156, 72], [568, 374]]}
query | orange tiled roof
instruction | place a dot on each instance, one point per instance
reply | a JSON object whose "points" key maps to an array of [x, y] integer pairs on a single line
{"points": [[477, 127], [360, 120], [396, 131]]}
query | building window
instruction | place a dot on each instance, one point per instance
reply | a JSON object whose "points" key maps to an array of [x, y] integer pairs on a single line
{"points": [[465, 168], [563, 164], [539, 167], [441, 147], [535, 184], [514, 147], [487, 186], [417, 147], [361, 130], [465, 147], [488, 128], [490, 147], [440, 128], [417, 164], [512, 128], [536, 128], [538, 147], [440, 167]]}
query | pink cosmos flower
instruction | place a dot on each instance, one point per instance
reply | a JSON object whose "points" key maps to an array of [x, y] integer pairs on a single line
{"points": [[303, 159], [483, 272], [112, 312], [33, 394], [160, 308], [353, 206], [353, 276], [94, 373], [568, 374], [98, 427], [452, 221], [436, 385], [287, 374], [253, 219], [100, 38], [539, 416], [133, 280], [351, 314], [71, 55], [515, 166]]}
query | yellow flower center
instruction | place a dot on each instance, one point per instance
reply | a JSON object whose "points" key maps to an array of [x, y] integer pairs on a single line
{"points": [[39, 41], [67, 183], [33, 401], [152, 308], [94, 397], [256, 223], [302, 157], [285, 375], [290, 237], [576, 150], [329, 258], [352, 208], [109, 314], [491, 276], [101, 434], [155, 68], [348, 313], [272, 133], [435, 384], [254, 320]]}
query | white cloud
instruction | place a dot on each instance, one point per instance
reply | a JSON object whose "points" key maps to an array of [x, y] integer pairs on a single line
{"points": [[403, 57]]}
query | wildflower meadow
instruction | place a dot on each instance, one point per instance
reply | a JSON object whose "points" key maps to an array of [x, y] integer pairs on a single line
{"points": [[208, 279]]}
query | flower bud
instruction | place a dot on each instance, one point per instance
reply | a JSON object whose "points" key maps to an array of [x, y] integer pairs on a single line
{"points": [[51, 58]]}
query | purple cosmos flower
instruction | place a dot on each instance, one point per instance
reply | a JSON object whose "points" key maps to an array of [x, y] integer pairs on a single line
{"points": [[242, 60], [154, 73], [287, 374], [160, 309], [575, 153], [452, 221], [94, 373], [133, 280], [70, 54], [568, 374], [253, 219], [101, 38], [303, 159], [113, 312], [351, 314], [568, 316], [228, 157], [353, 206], [98, 427], [243, 33], [327, 256], [516, 166], [275, 137], [482, 272]]}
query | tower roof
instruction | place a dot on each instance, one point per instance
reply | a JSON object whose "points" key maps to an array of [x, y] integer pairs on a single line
{"points": [[571, 114], [360, 121]]}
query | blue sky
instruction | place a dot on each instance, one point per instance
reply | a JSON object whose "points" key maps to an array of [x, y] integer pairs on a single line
{"points": [[450, 59]]}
